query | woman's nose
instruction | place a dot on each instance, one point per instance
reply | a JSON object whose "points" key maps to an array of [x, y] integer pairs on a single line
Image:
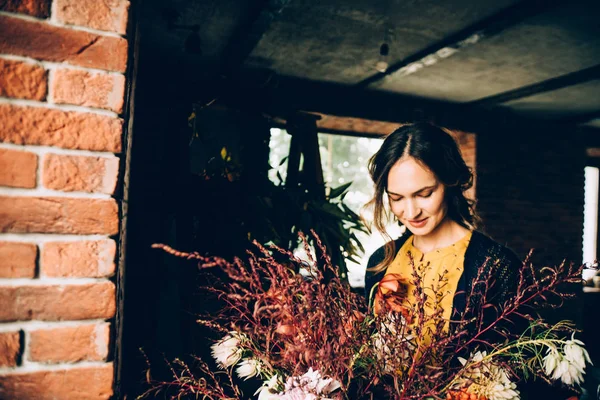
{"points": [[411, 209]]}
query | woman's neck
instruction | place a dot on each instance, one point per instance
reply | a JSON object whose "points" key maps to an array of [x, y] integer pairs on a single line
{"points": [[445, 234]]}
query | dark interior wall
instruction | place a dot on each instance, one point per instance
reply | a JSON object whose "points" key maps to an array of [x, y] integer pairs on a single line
{"points": [[150, 309], [170, 203], [530, 191]]}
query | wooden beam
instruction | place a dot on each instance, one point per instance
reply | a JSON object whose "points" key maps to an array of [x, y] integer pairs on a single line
{"points": [[593, 152], [548, 85], [284, 96], [358, 126], [287, 94], [483, 29], [348, 126]]}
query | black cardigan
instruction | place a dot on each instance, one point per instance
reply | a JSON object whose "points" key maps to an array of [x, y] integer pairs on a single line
{"points": [[481, 251]]}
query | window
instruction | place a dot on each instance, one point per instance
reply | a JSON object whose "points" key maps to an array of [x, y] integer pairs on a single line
{"points": [[590, 218], [344, 159]]}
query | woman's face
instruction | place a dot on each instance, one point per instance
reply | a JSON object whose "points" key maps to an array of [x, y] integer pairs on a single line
{"points": [[416, 196]]}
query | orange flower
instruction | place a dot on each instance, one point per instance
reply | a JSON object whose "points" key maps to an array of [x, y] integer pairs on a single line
{"points": [[463, 395], [285, 329], [390, 295]]}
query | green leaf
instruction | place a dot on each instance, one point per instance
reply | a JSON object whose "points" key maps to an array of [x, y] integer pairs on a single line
{"points": [[351, 213], [338, 191], [330, 209]]}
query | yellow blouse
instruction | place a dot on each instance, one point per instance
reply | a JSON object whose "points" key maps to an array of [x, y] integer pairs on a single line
{"points": [[440, 271]]}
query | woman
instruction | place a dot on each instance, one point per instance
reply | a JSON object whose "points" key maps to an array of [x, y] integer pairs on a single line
{"points": [[420, 172]]}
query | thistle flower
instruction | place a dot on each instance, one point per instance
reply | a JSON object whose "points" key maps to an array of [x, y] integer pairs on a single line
{"points": [[485, 378], [569, 366], [227, 351], [248, 368]]}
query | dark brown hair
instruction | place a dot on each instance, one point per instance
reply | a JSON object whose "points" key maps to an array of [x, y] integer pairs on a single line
{"points": [[436, 150]]}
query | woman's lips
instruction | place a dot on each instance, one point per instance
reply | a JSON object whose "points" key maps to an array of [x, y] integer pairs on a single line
{"points": [[418, 223]]}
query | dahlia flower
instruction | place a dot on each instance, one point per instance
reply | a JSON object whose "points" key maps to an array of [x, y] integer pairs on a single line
{"points": [[485, 378]]}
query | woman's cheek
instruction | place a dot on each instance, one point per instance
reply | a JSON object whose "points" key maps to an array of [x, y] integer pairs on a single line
{"points": [[396, 209]]}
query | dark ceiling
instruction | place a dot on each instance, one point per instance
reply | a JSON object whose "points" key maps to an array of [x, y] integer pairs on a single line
{"points": [[538, 60]]}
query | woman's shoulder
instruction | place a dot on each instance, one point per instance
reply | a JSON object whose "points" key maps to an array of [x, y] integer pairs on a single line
{"points": [[484, 246], [485, 250]]}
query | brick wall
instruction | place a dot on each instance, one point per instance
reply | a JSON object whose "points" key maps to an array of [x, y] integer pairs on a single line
{"points": [[62, 84], [467, 144]]}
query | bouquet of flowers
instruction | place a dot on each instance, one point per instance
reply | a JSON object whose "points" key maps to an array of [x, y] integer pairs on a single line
{"points": [[310, 336]]}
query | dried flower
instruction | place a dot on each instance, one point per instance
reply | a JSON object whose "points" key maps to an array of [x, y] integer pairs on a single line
{"points": [[483, 377], [227, 351], [248, 368], [387, 340], [569, 366], [318, 324]]}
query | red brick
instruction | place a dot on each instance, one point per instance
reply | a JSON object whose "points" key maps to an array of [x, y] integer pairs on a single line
{"points": [[88, 258], [47, 42], [80, 173], [18, 168], [17, 260], [108, 15], [57, 302], [10, 348], [84, 88], [67, 129], [58, 215], [23, 80], [87, 383], [35, 8], [70, 344]]}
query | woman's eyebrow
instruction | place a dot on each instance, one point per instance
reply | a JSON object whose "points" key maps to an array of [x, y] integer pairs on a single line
{"points": [[417, 192]]}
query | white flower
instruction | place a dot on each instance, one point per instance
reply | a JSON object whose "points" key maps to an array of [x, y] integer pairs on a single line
{"points": [[576, 353], [310, 386], [484, 378], [227, 351], [248, 368], [299, 393], [268, 390], [568, 366]]}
